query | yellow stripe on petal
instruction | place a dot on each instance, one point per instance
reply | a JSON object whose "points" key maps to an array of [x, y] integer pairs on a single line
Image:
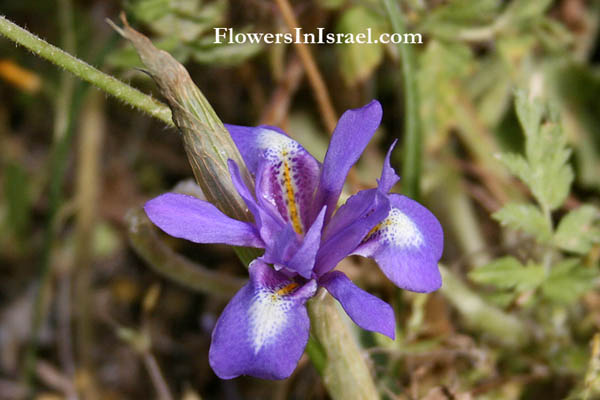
{"points": [[287, 289], [291, 198]]}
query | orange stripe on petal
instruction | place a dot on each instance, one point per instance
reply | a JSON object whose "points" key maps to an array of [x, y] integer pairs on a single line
{"points": [[291, 198]]}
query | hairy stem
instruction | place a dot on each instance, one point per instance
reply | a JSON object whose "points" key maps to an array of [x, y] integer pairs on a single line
{"points": [[81, 69]]}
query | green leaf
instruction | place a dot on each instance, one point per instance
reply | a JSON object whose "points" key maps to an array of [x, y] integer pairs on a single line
{"points": [[437, 83], [516, 164], [567, 281], [577, 231], [149, 10], [545, 168], [358, 60], [184, 19], [491, 87], [525, 217], [508, 273], [205, 51], [530, 113], [500, 299], [526, 9], [332, 4], [448, 19]]}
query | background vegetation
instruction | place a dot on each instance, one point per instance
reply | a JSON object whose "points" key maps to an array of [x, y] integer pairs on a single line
{"points": [[499, 123]]}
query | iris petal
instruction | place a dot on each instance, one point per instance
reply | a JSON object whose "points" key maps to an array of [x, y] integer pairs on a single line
{"points": [[268, 225], [288, 179], [284, 245], [366, 310], [353, 132], [407, 245], [388, 175], [189, 218], [349, 226], [264, 329], [250, 141], [303, 261]]}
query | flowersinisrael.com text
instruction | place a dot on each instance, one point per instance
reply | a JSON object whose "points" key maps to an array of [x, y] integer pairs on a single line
{"points": [[229, 36]]}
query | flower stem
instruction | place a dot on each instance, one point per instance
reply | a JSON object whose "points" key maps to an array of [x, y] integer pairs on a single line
{"points": [[79, 68], [345, 372], [171, 265], [412, 147]]}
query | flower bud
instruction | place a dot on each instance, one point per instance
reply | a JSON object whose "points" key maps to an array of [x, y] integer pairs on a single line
{"points": [[207, 142]]}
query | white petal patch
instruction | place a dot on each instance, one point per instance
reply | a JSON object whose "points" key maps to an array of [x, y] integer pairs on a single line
{"points": [[268, 314], [398, 230], [276, 144]]}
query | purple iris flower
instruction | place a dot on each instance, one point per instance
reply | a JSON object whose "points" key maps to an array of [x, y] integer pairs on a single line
{"points": [[265, 327]]}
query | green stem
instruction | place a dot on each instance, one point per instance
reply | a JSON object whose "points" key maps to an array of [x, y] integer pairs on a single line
{"points": [[338, 358], [412, 147], [171, 265], [107, 83], [317, 354]]}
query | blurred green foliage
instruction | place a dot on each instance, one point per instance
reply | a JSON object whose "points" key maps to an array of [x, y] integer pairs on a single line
{"points": [[185, 30]]}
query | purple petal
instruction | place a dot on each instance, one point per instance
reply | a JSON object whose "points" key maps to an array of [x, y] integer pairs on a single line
{"points": [[268, 225], [349, 226], [366, 310], [291, 172], [196, 220], [242, 189], [263, 198], [263, 330], [303, 260], [250, 142], [287, 179], [284, 244], [388, 175], [407, 245], [350, 137]]}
